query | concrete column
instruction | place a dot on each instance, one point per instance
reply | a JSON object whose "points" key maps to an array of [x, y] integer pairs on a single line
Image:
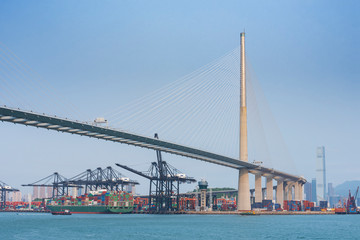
{"points": [[301, 188], [258, 188], [280, 192], [243, 203], [269, 188], [288, 191], [297, 191]]}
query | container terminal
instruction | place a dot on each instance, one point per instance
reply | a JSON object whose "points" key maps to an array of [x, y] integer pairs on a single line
{"points": [[112, 194], [107, 191], [200, 201]]}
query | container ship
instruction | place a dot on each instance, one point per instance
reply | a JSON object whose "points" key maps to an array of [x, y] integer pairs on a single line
{"points": [[96, 202]]}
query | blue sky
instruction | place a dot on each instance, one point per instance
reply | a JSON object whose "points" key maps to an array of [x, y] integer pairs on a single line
{"points": [[99, 55]]}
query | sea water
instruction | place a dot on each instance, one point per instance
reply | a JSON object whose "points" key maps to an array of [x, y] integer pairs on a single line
{"points": [[132, 226]]}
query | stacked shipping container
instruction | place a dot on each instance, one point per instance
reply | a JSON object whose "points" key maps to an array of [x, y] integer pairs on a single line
{"points": [[101, 198]]}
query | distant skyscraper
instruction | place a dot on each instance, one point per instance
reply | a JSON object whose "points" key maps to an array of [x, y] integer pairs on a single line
{"points": [[7, 197], [35, 192], [49, 192], [330, 190], [16, 196], [42, 192], [320, 174], [308, 191], [313, 190], [29, 199]]}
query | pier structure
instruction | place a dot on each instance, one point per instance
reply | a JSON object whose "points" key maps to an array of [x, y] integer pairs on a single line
{"points": [[244, 203]]}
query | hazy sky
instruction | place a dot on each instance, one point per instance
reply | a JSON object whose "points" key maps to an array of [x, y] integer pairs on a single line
{"points": [[99, 55]]}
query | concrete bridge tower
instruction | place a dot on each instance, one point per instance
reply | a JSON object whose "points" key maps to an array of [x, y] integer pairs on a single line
{"points": [[243, 203]]}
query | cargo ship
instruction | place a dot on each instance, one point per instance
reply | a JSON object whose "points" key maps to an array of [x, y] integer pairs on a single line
{"points": [[96, 202]]}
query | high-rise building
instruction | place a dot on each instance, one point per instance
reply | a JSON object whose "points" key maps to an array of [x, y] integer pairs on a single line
{"points": [[42, 192], [313, 190], [7, 197], [332, 199], [35, 192], [16, 196], [330, 190], [29, 199], [308, 191], [320, 174], [49, 192]]}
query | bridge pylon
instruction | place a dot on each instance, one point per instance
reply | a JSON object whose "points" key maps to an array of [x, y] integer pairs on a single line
{"points": [[243, 200]]}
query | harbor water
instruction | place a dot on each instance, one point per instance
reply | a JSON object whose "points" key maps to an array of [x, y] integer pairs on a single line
{"points": [[138, 227]]}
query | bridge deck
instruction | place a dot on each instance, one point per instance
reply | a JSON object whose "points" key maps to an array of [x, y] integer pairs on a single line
{"points": [[85, 129]]}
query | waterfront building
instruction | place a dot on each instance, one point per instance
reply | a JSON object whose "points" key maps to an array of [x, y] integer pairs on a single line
{"points": [[313, 190], [308, 191], [42, 192], [49, 192], [16, 196], [35, 192]]}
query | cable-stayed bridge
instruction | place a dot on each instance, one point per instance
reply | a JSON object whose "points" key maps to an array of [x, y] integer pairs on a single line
{"points": [[189, 93], [109, 134]]}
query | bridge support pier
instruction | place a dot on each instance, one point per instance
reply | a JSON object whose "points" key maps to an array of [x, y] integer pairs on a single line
{"points": [[258, 188], [297, 191], [280, 192], [269, 188], [243, 203], [288, 191], [301, 193]]}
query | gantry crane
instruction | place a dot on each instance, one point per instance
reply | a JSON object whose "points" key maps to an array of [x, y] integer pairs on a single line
{"points": [[164, 184]]}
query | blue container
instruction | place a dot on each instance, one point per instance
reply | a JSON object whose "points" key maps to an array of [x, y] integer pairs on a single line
{"points": [[315, 209], [323, 204], [256, 205]]}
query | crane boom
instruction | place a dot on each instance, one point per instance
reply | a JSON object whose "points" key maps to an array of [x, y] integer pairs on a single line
{"points": [[134, 171]]}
